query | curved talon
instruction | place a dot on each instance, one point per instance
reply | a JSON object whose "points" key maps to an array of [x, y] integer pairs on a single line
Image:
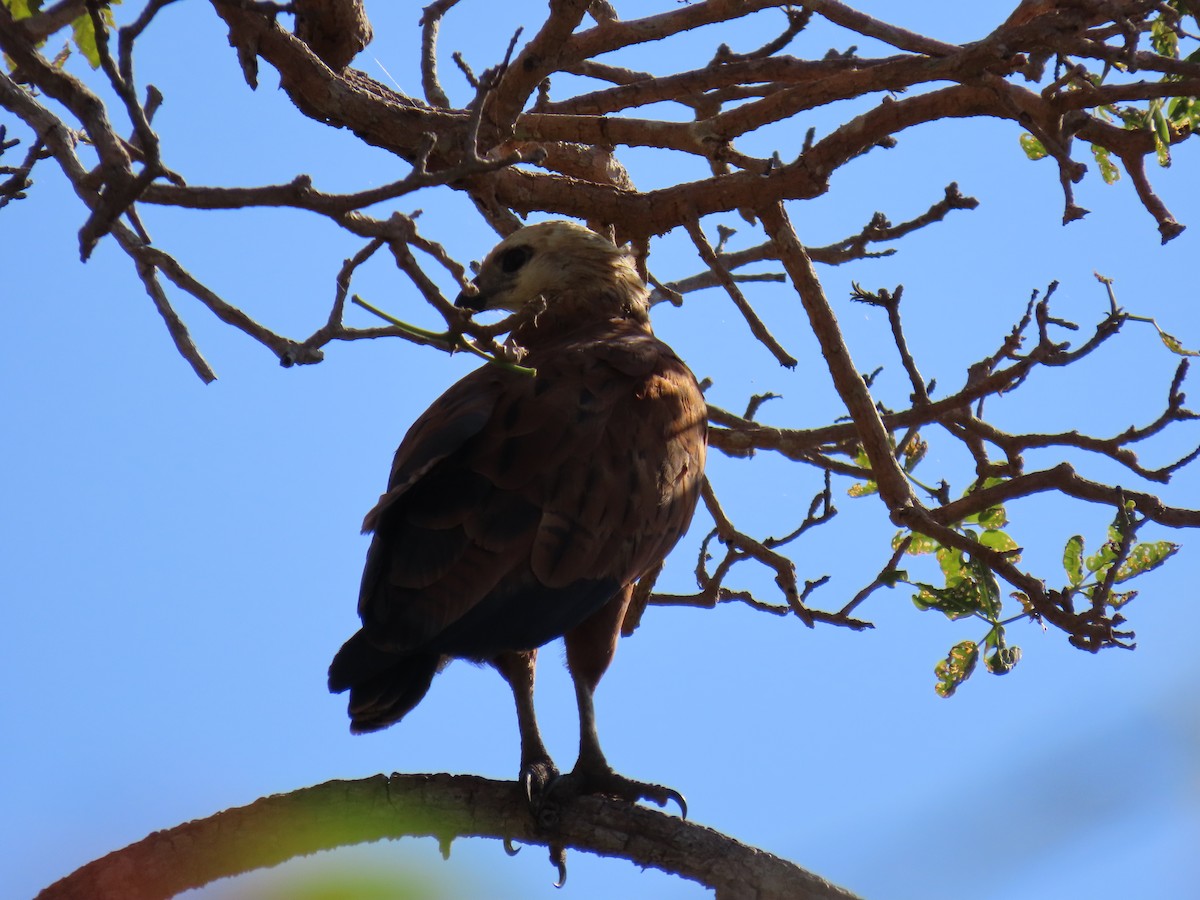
{"points": [[509, 848], [527, 783], [537, 780], [558, 856], [680, 801]]}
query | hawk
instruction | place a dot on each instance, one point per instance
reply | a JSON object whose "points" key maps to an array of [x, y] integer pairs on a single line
{"points": [[522, 508]]}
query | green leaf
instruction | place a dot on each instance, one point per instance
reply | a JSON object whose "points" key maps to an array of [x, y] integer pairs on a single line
{"points": [[968, 596], [1163, 39], [995, 539], [23, 9], [1003, 660], [863, 489], [1132, 118], [1146, 557], [892, 577], [1174, 344], [84, 33], [994, 638], [1107, 553], [1108, 169], [1118, 599], [956, 667], [951, 562], [1073, 559], [918, 546], [1123, 522], [914, 452], [1161, 129], [1184, 113], [1026, 604], [987, 590], [1102, 560], [956, 602], [1033, 147], [925, 599], [992, 517], [996, 517]]}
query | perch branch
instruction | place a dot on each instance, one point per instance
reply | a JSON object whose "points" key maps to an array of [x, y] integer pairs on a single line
{"points": [[341, 813]]}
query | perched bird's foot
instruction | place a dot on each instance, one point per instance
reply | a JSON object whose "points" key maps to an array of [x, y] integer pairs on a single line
{"points": [[556, 791], [537, 780], [608, 783]]}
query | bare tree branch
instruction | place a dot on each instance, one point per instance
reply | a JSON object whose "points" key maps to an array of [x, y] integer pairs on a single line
{"points": [[340, 813], [892, 485]]}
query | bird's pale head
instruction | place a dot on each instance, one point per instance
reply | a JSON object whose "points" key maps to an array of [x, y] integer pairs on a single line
{"points": [[576, 273]]}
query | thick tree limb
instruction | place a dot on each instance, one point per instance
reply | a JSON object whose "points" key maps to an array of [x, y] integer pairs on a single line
{"points": [[275, 829]]}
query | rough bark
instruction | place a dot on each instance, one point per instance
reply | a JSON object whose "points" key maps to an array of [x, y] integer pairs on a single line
{"points": [[340, 813]]}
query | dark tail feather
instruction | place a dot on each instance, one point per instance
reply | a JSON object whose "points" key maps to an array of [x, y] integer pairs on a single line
{"points": [[383, 686]]}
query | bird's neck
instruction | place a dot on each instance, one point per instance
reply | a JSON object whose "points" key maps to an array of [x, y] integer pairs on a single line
{"points": [[549, 330]]}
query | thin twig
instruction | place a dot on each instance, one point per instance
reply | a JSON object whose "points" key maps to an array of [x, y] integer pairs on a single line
{"points": [[757, 327], [431, 20]]}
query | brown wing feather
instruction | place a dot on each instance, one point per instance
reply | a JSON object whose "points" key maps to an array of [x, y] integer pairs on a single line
{"points": [[618, 511], [520, 505]]}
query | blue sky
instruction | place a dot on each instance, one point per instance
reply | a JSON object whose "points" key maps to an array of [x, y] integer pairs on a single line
{"points": [[179, 562]]}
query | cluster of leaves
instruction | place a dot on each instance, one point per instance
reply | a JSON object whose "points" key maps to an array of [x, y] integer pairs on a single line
{"points": [[1120, 558], [1166, 120], [1181, 113], [913, 452], [969, 584], [970, 589], [83, 30]]}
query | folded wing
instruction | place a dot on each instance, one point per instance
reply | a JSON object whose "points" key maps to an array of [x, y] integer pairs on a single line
{"points": [[518, 506]]}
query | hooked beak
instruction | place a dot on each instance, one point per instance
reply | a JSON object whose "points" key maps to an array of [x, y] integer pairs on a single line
{"points": [[471, 298]]}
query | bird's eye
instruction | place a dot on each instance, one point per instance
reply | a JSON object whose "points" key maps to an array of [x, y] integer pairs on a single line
{"points": [[513, 258]]}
